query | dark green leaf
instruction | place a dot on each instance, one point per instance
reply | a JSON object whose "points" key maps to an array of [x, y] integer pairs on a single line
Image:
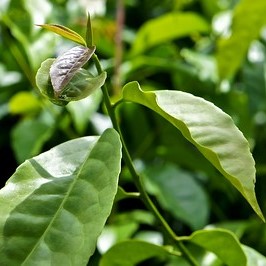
{"points": [[209, 129], [55, 205], [66, 66], [179, 193]]}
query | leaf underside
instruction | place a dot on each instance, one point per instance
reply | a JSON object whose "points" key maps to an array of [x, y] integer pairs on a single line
{"points": [[209, 129], [55, 205]]}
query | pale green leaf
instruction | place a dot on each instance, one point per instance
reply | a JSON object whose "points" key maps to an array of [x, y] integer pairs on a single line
{"points": [[254, 258], [64, 32], [54, 207], [177, 24], [222, 243], [132, 252], [209, 129], [248, 20]]}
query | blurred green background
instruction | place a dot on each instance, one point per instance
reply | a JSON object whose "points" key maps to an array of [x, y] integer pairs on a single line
{"points": [[211, 48]]}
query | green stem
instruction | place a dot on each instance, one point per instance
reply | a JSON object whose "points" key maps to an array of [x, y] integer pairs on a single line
{"points": [[127, 158]]}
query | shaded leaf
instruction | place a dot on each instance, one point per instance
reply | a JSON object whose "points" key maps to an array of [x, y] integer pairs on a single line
{"points": [[64, 32], [132, 252], [209, 129], [179, 193], [66, 66], [222, 243], [55, 205], [248, 19], [178, 25], [29, 136]]}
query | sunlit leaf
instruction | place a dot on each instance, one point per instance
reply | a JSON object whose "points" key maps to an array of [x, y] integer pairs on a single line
{"points": [[55, 205], [66, 66], [168, 27], [24, 102], [132, 252], [222, 243], [254, 258], [64, 32], [209, 129], [248, 20]]}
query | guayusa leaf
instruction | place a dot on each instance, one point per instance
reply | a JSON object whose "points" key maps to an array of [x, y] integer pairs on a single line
{"points": [[65, 66], [64, 32], [43, 82], [82, 85]]}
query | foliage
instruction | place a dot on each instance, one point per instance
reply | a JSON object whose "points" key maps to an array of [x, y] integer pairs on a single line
{"points": [[190, 130]]}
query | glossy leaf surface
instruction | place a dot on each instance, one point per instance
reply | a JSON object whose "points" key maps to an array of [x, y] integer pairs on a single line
{"points": [[209, 129], [64, 32], [55, 205], [66, 66], [130, 253], [222, 243], [177, 24]]}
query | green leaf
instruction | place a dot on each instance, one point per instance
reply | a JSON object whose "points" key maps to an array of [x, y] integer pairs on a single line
{"points": [[178, 192], [89, 36], [55, 205], [29, 136], [254, 258], [64, 32], [178, 25], [132, 252], [43, 82], [24, 102], [209, 129], [122, 194], [248, 20], [222, 243], [66, 66], [82, 85]]}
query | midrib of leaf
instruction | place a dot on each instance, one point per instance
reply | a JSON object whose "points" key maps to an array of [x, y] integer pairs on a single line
{"points": [[60, 207]]}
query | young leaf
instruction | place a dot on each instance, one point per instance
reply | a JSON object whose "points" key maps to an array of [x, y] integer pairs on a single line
{"points": [[209, 129], [82, 85], [89, 36], [55, 205], [222, 243], [65, 66], [43, 82], [132, 252], [64, 32]]}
